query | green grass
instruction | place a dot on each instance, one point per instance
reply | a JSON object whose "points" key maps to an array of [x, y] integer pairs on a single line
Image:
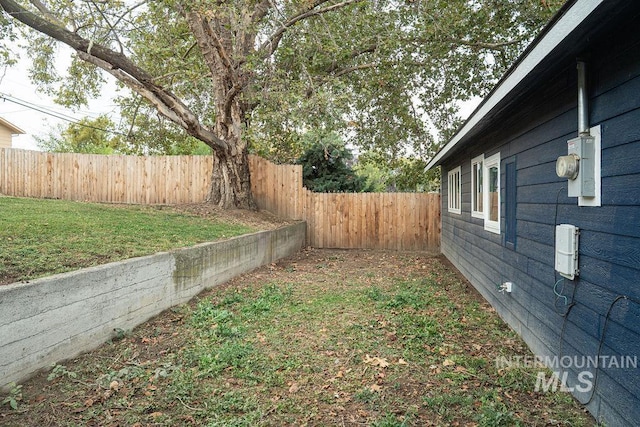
{"points": [[43, 237], [290, 344]]}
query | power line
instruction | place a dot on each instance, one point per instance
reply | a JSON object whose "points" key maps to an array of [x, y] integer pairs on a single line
{"points": [[61, 116], [36, 107]]}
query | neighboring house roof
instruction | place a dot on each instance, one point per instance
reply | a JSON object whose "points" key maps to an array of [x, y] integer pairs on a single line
{"points": [[562, 39], [13, 128]]}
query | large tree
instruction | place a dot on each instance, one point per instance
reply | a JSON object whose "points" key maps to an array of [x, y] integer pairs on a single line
{"points": [[386, 73]]}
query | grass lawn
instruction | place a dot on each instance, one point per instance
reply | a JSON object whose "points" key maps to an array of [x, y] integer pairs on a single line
{"points": [[324, 338], [42, 237]]}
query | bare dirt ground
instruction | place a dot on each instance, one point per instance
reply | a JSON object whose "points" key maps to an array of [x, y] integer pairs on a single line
{"points": [[261, 220]]}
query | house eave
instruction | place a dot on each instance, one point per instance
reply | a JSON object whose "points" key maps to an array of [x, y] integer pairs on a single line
{"points": [[15, 130]]}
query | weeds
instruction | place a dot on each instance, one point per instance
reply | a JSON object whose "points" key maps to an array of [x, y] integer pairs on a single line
{"points": [[308, 346], [60, 371], [14, 396]]}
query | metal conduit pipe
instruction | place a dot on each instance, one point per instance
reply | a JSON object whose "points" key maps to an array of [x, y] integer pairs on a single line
{"points": [[583, 101]]}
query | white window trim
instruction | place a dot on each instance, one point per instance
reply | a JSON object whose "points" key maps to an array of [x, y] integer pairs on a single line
{"points": [[454, 190], [476, 161], [489, 162]]}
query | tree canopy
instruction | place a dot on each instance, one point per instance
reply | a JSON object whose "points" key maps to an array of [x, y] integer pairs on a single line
{"points": [[386, 75], [326, 166], [88, 136]]}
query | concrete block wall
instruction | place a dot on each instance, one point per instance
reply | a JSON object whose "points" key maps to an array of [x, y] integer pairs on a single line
{"points": [[55, 318]]}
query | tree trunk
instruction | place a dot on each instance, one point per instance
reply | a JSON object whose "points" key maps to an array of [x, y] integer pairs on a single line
{"points": [[231, 181]]}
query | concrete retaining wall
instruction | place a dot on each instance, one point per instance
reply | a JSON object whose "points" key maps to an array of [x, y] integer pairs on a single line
{"points": [[58, 317]]}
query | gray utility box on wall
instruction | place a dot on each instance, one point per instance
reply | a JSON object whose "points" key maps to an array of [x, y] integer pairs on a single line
{"points": [[567, 250], [584, 185]]}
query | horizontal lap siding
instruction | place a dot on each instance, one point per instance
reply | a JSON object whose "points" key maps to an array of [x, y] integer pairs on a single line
{"points": [[609, 248]]}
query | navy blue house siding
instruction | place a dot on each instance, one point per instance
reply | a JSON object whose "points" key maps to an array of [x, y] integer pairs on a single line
{"points": [[598, 313]]}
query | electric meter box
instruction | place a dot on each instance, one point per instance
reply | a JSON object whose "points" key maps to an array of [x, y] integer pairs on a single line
{"points": [[584, 185], [567, 250]]}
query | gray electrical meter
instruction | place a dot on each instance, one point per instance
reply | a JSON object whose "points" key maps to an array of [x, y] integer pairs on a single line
{"points": [[584, 184]]}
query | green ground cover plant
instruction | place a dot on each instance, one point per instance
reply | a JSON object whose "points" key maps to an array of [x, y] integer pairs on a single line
{"points": [[43, 237], [323, 338]]}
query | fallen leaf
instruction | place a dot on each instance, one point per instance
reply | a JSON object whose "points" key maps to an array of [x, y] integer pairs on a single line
{"points": [[114, 385], [376, 361], [402, 362], [448, 362], [156, 414], [294, 387], [375, 388]]}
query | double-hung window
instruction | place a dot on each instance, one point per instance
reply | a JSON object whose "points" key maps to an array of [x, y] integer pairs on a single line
{"points": [[477, 197], [454, 190], [491, 187]]}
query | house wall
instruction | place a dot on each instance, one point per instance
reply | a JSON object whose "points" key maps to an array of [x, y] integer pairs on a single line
{"points": [[601, 315], [5, 137]]}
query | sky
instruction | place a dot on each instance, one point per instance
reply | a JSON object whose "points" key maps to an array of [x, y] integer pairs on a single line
{"points": [[14, 82]]}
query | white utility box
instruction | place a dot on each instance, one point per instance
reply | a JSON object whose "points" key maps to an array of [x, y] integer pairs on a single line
{"points": [[567, 250]]}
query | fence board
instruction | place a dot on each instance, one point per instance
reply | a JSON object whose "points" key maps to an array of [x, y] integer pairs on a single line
{"points": [[105, 178], [402, 221]]}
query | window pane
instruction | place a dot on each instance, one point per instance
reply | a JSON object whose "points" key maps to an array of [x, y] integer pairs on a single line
{"points": [[493, 193], [454, 190], [478, 184]]}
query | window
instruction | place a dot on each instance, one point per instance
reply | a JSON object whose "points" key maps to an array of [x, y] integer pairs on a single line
{"points": [[491, 180], [454, 187], [476, 187]]}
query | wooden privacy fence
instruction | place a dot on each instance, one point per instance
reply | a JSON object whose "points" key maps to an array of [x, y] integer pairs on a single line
{"points": [[402, 221], [105, 178]]}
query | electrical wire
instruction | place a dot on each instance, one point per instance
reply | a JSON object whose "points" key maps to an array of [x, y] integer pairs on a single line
{"points": [[601, 343], [565, 316], [35, 107], [559, 295], [57, 115]]}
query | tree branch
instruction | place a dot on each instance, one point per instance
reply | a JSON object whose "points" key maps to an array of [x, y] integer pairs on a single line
{"points": [[339, 73], [271, 44], [483, 45], [261, 11], [111, 28], [354, 68], [46, 12], [121, 67]]}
